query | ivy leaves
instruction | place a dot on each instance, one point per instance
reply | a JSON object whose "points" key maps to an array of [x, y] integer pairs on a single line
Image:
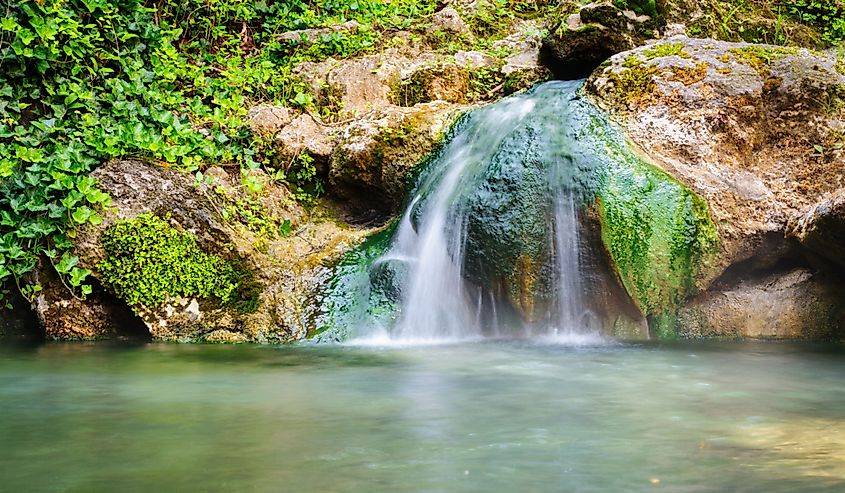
{"points": [[84, 81]]}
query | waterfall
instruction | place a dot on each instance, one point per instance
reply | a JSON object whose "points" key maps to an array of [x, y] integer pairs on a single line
{"points": [[520, 143]]}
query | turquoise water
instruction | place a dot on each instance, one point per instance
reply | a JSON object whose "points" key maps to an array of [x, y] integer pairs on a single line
{"points": [[485, 416]]}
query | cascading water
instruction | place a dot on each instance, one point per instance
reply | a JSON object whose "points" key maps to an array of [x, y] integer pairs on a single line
{"points": [[519, 140], [490, 242]]}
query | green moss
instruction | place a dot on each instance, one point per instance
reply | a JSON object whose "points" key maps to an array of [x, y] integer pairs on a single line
{"points": [[350, 298], [641, 7], [840, 65], [666, 49], [658, 233], [636, 83], [148, 260], [761, 57]]}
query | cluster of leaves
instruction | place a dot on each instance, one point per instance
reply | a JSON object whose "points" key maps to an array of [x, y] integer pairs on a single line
{"points": [[148, 260], [491, 19], [641, 7], [828, 16], [84, 81]]}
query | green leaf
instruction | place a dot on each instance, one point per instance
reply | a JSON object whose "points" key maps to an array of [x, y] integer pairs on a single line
{"points": [[67, 263]]}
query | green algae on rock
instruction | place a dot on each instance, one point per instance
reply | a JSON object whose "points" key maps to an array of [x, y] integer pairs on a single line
{"points": [[354, 293]]}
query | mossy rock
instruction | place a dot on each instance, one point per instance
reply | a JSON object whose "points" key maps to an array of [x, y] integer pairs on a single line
{"points": [[148, 261]]}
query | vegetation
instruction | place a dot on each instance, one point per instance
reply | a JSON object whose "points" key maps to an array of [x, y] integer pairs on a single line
{"points": [[147, 260], [666, 49], [761, 57], [828, 16], [83, 81], [635, 84]]}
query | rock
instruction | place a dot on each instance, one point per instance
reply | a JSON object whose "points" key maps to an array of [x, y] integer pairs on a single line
{"points": [[736, 123], [304, 135], [524, 58], [704, 114], [307, 36], [17, 321], [225, 336], [821, 228], [578, 44], [65, 316], [375, 158], [474, 59], [449, 21], [267, 120], [796, 304], [228, 222], [442, 82]]}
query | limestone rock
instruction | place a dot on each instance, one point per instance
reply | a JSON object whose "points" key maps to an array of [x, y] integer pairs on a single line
{"points": [[267, 119], [735, 123], [796, 304], [374, 160], [441, 82], [64, 316], [822, 228], [227, 221], [579, 43], [449, 21], [738, 125], [304, 135], [305, 36]]}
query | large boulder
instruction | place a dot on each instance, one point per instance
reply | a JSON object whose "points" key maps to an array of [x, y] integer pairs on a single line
{"points": [[795, 304], [185, 233], [750, 129], [376, 158]]}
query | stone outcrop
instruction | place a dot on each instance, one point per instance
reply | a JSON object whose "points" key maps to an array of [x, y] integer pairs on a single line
{"points": [[796, 304], [264, 232], [392, 108], [752, 129]]}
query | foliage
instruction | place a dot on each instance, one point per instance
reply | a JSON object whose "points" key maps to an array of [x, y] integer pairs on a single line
{"points": [[828, 16], [641, 7], [83, 81], [636, 84], [148, 260]]}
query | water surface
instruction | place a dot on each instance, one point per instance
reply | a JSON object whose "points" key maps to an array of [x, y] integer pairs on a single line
{"points": [[483, 416]]}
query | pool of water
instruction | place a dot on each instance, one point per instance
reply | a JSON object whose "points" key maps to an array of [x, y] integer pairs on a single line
{"points": [[482, 416]]}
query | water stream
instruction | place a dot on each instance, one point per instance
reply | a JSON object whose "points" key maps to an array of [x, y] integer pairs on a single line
{"points": [[489, 244]]}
